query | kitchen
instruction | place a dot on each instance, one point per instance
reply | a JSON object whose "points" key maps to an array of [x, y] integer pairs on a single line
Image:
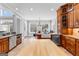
{"points": [[10, 36], [65, 30]]}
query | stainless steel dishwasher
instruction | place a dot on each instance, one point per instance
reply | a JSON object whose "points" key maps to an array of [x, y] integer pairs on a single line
{"points": [[12, 42]]}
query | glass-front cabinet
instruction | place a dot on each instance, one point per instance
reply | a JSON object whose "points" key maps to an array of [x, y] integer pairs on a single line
{"points": [[76, 15], [64, 21]]}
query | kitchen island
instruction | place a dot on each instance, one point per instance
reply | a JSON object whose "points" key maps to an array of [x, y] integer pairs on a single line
{"points": [[8, 42]]}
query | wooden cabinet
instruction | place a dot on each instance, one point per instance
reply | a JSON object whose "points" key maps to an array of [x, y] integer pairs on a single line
{"points": [[4, 45], [70, 31], [70, 45], [65, 16], [59, 12], [77, 47], [76, 15], [59, 24], [70, 19], [64, 31], [62, 41], [19, 39], [64, 21], [0, 46]]}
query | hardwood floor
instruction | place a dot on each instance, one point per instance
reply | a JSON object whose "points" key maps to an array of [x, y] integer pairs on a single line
{"points": [[38, 47]]}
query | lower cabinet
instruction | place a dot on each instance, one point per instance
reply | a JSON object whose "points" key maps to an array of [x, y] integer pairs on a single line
{"points": [[19, 39], [62, 41], [4, 45], [0, 46], [77, 47], [70, 45], [8, 43]]}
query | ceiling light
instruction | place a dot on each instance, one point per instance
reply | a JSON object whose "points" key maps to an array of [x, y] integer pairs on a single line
{"points": [[31, 9], [51, 9], [16, 8]]}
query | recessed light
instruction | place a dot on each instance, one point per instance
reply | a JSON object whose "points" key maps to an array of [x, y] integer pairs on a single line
{"points": [[51, 9], [16, 8], [31, 9]]}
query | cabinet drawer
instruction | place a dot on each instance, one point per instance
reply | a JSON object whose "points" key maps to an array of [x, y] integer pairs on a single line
{"points": [[70, 39], [5, 39]]}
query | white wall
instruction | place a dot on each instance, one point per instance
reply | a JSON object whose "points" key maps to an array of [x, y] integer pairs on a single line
{"points": [[54, 21], [22, 27]]}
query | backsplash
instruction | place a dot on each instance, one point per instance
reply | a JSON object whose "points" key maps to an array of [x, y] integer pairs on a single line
{"points": [[76, 31]]}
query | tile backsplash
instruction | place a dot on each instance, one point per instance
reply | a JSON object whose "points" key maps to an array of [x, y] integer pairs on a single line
{"points": [[76, 31]]}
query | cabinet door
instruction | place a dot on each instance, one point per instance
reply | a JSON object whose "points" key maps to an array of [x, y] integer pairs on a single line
{"points": [[65, 21], [76, 15], [62, 41], [72, 48], [5, 45], [70, 45], [18, 41], [59, 23], [0, 46], [70, 19], [59, 12], [77, 47]]}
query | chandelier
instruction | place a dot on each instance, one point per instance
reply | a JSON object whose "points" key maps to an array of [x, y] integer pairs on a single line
{"points": [[39, 22]]}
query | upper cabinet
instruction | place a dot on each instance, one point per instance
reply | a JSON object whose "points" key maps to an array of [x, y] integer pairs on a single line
{"points": [[64, 21], [76, 15], [68, 18], [67, 15], [59, 20]]}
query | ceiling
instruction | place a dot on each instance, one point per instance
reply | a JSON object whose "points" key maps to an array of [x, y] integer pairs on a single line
{"points": [[34, 10]]}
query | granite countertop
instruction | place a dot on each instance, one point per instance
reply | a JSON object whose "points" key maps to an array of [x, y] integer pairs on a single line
{"points": [[54, 34], [73, 36], [49, 33], [1, 37]]}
